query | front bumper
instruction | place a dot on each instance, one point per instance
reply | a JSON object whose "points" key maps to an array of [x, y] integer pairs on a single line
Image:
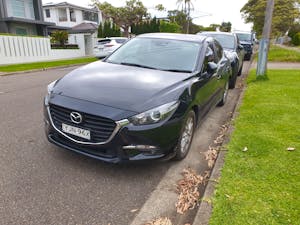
{"points": [[248, 50], [129, 143]]}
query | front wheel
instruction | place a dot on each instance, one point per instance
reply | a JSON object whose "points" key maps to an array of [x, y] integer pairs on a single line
{"points": [[225, 94], [241, 69], [186, 136]]}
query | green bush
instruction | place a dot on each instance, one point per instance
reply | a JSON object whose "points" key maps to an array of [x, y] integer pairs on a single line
{"points": [[169, 27], [59, 37], [296, 39]]}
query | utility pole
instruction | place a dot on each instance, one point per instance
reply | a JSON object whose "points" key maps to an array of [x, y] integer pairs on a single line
{"points": [[265, 41]]}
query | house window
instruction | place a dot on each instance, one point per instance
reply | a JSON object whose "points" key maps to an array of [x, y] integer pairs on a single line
{"points": [[18, 8], [62, 15], [72, 15], [21, 31], [47, 12], [90, 16], [31, 9]]}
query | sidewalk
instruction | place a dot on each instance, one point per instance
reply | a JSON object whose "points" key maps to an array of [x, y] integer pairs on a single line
{"points": [[289, 48], [279, 65]]}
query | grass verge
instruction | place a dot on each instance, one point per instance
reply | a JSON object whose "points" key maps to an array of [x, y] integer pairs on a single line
{"points": [[42, 65], [261, 185], [278, 54]]}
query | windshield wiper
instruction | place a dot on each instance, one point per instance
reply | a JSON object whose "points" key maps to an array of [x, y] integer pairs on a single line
{"points": [[138, 65], [179, 71]]}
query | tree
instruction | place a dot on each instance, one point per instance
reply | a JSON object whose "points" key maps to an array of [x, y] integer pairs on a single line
{"points": [[146, 26], [225, 27], [59, 37], [160, 7], [108, 29], [284, 15], [132, 13], [187, 7], [100, 31]]}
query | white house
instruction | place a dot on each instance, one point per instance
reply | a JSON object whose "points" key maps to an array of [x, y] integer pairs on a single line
{"points": [[82, 22]]}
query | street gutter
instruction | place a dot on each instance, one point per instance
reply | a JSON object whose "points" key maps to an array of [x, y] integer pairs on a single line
{"points": [[42, 69]]}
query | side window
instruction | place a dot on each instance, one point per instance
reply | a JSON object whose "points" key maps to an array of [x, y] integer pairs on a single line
{"points": [[209, 57], [219, 51]]}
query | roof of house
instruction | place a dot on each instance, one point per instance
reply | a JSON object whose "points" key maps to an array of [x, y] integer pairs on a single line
{"points": [[84, 27], [66, 4]]}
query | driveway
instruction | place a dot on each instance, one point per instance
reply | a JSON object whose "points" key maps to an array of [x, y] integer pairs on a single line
{"points": [[43, 184]]}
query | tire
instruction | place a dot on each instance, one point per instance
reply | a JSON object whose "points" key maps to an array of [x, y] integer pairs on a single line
{"points": [[232, 79], [225, 94], [187, 133], [241, 70]]}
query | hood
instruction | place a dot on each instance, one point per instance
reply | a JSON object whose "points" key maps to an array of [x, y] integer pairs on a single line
{"points": [[119, 86]]}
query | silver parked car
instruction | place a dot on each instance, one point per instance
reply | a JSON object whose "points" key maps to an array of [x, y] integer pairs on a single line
{"points": [[106, 46]]}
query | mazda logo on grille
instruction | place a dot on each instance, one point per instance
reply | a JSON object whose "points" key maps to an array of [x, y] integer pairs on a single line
{"points": [[76, 117]]}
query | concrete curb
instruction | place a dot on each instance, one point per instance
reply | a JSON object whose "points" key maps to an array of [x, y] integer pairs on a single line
{"points": [[205, 209], [37, 70]]}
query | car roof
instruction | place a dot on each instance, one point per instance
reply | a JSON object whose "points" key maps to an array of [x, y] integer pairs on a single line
{"points": [[215, 32], [175, 36], [243, 32]]}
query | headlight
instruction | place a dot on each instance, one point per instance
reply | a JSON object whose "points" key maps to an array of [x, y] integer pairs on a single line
{"points": [[49, 90], [155, 115], [50, 87]]}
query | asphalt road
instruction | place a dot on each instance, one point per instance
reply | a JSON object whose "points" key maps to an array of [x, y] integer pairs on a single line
{"points": [[43, 184]]}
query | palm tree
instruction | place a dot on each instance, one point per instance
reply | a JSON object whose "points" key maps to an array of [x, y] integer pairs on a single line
{"points": [[187, 7]]}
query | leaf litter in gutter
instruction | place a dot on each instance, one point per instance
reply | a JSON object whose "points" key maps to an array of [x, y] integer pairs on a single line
{"points": [[188, 190], [160, 221], [212, 153]]}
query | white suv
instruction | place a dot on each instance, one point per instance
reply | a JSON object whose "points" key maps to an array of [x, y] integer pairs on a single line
{"points": [[106, 46]]}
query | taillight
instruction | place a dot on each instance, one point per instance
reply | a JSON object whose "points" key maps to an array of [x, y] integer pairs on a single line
{"points": [[108, 45]]}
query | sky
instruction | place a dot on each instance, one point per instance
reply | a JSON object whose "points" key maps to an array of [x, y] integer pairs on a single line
{"points": [[205, 12]]}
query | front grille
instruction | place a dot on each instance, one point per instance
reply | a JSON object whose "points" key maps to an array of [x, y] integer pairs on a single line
{"points": [[90, 149], [247, 47], [101, 128]]}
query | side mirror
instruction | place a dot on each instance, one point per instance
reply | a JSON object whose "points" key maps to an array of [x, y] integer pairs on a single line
{"points": [[212, 67]]}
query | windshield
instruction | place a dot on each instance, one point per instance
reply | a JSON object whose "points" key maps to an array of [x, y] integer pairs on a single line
{"points": [[244, 36], [227, 41], [156, 53]]}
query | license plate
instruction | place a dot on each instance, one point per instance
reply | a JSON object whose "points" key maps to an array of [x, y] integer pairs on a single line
{"points": [[86, 134]]}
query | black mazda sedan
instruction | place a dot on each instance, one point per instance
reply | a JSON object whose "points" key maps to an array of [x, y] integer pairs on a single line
{"points": [[142, 102]]}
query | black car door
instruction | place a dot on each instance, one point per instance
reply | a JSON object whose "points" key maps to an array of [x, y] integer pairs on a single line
{"points": [[221, 73], [206, 88], [240, 52]]}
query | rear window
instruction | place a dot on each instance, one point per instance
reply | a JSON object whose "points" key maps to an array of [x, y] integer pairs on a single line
{"points": [[120, 41]]}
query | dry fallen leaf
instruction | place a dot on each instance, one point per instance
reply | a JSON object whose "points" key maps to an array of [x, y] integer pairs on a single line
{"points": [[188, 191], [133, 210], [160, 221], [211, 156], [291, 149]]}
